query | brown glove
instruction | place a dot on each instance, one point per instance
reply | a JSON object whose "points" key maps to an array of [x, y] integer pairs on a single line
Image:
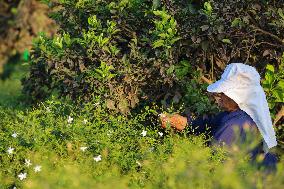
{"points": [[176, 121]]}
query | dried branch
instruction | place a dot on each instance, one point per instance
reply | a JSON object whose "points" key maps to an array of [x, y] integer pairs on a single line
{"points": [[279, 115], [206, 80], [267, 33]]}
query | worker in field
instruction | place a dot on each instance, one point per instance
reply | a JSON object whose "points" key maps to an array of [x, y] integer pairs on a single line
{"points": [[243, 100]]}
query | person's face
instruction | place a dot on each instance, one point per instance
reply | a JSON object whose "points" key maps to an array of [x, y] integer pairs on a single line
{"points": [[225, 102]]}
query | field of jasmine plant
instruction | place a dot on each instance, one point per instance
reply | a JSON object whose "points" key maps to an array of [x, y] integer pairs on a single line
{"points": [[61, 145], [81, 108]]}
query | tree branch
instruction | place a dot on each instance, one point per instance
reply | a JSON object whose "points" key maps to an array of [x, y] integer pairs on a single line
{"points": [[279, 115], [267, 33], [206, 80]]}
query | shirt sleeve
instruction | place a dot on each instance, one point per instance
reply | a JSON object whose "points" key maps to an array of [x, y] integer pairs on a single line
{"points": [[269, 163], [237, 130]]}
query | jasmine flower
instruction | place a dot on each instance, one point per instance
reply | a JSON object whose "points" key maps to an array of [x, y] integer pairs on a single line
{"points": [[85, 121], [139, 164], [48, 110], [144, 133], [70, 119], [37, 168], [109, 133], [161, 134], [28, 162], [83, 148], [14, 135], [22, 176], [98, 158], [96, 104], [10, 150]]}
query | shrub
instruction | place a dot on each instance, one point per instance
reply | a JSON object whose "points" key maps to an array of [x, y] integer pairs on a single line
{"points": [[66, 141], [133, 52]]}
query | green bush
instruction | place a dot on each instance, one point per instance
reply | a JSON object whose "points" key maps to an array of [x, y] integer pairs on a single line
{"points": [[66, 141], [133, 52], [273, 85]]}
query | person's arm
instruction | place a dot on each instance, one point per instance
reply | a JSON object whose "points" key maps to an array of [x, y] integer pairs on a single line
{"points": [[176, 121], [197, 126]]}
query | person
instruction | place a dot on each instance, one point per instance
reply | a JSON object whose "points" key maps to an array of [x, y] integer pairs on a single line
{"points": [[243, 100]]}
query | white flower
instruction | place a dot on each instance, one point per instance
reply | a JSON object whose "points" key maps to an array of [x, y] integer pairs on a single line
{"points": [[162, 115], [37, 168], [83, 148], [10, 150], [28, 162], [98, 158], [161, 134], [96, 104], [139, 164], [14, 135], [109, 133], [22, 176], [48, 110], [85, 121], [151, 149], [70, 119], [14, 187], [144, 133]]}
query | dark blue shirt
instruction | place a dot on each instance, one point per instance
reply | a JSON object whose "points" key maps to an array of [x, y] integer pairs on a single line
{"points": [[229, 128]]}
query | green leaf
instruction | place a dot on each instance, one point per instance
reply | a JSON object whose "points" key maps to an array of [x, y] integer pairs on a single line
{"points": [[270, 68], [228, 41], [170, 30], [278, 94], [67, 39], [157, 13], [175, 39], [281, 14], [158, 43], [281, 85], [236, 22], [163, 35], [269, 78], [14, 10], [207, 6], [26, 55], [171, 69]]}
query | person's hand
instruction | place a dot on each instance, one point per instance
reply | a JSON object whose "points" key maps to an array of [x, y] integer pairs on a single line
{"points": [[176, 121]]}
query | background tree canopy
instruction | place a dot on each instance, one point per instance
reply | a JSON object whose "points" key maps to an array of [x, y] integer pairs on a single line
{"points": [[20, 21]]}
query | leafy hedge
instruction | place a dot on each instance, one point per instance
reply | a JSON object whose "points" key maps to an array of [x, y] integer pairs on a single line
{"points": [[133, 52]]}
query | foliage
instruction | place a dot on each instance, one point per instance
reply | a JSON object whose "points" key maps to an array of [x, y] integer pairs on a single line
{"points": [[273, 84], [107, 58], [20, 21], [66, 140], [139, 43], [133, 52]]}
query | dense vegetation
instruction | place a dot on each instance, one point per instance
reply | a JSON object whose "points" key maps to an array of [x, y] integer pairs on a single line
{"points": [[96, 89], [59, 145], [134, 52]]}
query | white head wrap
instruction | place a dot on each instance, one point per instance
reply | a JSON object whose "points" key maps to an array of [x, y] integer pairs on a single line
{"points": [[241, 83]]}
